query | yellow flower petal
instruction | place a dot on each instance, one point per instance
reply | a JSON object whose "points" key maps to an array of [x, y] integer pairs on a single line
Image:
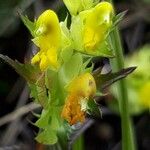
{"points": [[44, 62], [72, 110], [52, 57], [83, 85]]}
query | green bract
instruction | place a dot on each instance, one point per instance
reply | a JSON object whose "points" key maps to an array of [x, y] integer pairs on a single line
{"points": [[76, 6]]}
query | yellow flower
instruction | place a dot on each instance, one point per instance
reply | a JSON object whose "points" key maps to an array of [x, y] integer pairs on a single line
{"points": [[90, 29], [48, 37], [79, 91], [97, 23], [144, 95]]}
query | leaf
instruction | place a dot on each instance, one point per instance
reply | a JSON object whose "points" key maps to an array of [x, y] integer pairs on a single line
{"points": [[30, 25], [43, 121], [51, 124], [39, 91], [29, 72], [117, 18], [93, 108], [33, 76], [47, 136], [84, 67], [105, 80]]}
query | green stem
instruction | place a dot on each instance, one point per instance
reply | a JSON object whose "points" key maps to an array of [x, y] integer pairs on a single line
{"points": [[128, 142], [79, 143]]}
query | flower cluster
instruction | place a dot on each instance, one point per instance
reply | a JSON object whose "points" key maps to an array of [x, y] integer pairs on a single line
{"points": [[87, 34], [60, 74]]}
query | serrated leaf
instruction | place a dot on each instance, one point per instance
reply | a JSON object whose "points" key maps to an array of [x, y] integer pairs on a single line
{"points": [[30, 25], [29, 72], [33, 76], [43, 121], [47, 136], [39, 93], [105, 80], [49, 122]]}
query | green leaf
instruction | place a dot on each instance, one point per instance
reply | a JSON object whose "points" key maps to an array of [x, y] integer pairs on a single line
{"points": [[30, 25], [105, 80], [117, 18], [94, 109], [44, 119], [34, 77], [39, 92], [47, 136], [29, 72], [84, 67]]}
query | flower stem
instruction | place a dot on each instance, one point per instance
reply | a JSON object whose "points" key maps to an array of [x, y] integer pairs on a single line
{"points": [[128, 141], [79, 143]]}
